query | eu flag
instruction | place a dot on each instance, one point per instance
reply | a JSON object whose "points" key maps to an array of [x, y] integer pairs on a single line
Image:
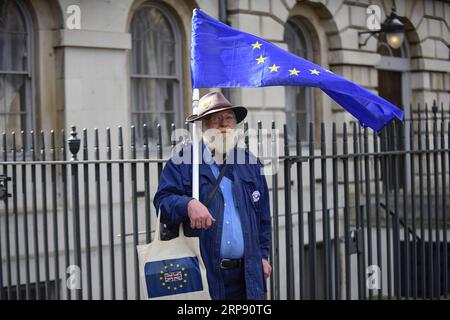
{"points": [[172, 276], [225, 57]]}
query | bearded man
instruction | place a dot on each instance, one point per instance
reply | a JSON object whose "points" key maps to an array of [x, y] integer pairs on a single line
{"points": [[234, 227]]}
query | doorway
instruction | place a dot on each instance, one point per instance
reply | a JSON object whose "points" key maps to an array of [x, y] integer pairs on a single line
{"points": [[390, 88], [394, 85]]}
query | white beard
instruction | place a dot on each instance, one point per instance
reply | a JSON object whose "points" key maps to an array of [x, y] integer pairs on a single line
{"points": [[221, 141]]}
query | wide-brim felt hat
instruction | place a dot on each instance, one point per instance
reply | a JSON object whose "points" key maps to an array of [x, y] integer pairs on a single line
{"points": [[214, 102]]}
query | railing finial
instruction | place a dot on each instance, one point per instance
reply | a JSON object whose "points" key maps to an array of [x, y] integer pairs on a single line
{"points": [[74, 144]]}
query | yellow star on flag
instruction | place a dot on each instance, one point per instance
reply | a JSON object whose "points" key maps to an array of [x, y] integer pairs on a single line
{"points": [[261, 59], [314, 71], [274, 68], [294, 72], [256, 45]]}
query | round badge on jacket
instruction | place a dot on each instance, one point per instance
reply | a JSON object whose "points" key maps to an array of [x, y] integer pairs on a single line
{"points": [[256, 195]]}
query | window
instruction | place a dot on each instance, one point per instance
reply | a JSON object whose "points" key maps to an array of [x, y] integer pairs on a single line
{"points": [[16, 111], [33, 289], [299, 100], [423, 267], [155, 72], [320, 268]]}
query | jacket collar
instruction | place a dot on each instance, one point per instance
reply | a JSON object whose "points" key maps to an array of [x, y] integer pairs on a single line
{"points": [[205, 166]]}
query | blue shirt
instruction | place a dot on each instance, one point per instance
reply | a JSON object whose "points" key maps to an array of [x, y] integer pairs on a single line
{"points": [[232, 244]]}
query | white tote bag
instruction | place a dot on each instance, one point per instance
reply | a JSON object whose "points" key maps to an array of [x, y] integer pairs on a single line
{"points": [[173, 269]]}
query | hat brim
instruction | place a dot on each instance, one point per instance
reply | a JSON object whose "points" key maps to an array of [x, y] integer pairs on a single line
{"points": [[239, 111]]}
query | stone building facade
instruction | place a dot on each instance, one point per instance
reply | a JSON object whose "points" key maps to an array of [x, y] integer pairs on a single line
{"points": [[93, 76], [110, 63]]}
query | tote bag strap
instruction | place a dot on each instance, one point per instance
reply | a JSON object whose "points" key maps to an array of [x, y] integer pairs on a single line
{"points": [[216, 185], [158, 228]]}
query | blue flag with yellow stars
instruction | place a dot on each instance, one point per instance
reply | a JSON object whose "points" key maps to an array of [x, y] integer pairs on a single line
{"points": [[172, 276], [225, 57]]}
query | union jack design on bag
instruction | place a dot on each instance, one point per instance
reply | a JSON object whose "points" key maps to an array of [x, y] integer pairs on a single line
{"points": [[173, 276]]}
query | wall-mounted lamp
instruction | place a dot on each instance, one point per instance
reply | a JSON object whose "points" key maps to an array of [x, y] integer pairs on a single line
{"points": [[392, 27]]}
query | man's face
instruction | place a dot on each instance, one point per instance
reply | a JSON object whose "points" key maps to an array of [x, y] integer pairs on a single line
{"points": [[221, 120], [219, 131]]}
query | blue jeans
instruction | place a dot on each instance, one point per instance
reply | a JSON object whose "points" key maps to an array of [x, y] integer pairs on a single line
{"points": [[234, 282]]}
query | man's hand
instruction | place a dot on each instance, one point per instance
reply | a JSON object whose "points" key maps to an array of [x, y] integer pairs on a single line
{"points": [[199, 215], [267, 268]]}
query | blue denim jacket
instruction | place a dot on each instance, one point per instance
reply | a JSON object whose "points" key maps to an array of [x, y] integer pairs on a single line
{"points": [[252, 198]]}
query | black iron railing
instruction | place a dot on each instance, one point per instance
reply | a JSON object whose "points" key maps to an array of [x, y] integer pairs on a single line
{"points": [[357, 218]]}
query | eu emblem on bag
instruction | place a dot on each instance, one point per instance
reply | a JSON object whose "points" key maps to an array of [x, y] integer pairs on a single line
{"points": [[174, 276], [172, 269]]}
